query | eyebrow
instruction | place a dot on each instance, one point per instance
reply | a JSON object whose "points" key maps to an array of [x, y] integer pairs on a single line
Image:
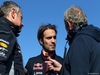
{"points": [[49, 37]]}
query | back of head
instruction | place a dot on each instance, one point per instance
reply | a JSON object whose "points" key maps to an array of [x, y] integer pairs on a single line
{"points": [[6, 7], [75, 15]]}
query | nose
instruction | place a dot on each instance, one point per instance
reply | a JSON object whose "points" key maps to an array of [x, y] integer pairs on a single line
{"points": [[22, 24], [53, 39]]}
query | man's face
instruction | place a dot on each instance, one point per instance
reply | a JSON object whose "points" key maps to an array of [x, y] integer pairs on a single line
{"points": [[18, 19], [68, 25], [49, 40]]}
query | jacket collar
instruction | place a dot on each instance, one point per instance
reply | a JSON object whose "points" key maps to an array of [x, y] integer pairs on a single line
{"points": [[45, 55]]}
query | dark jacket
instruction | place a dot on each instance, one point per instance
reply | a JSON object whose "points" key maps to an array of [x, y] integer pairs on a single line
{"points": [[37, 66], [10, 53], [83, 56]]}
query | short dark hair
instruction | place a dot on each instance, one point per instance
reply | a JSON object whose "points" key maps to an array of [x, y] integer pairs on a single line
{"points": [[44, 27]]}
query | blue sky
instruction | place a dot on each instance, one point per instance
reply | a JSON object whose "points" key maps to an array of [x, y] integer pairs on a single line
{"points": [[37, 12]]}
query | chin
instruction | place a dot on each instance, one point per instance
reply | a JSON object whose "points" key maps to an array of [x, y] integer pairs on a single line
{"points": [[51, 51]]}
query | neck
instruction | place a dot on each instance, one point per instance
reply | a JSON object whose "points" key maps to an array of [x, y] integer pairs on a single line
{"points": [[45, 54]]}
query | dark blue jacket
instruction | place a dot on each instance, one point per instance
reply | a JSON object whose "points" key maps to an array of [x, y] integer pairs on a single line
{"points": [[37, 66], [83, 56], [10, 54]]}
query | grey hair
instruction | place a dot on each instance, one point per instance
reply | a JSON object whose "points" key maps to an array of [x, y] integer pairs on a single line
{"points": [[6, 7], [75, 15]]}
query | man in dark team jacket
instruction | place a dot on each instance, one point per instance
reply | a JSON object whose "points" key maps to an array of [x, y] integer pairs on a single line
{"points": [[83, 57], [11, 62], [47, 39]]}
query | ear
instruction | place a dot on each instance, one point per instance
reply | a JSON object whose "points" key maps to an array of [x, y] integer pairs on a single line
{"points": [[41, 41], [13, 13], [69, 24]]}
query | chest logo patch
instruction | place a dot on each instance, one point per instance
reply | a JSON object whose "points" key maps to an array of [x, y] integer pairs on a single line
{"points": [[38, 66]]}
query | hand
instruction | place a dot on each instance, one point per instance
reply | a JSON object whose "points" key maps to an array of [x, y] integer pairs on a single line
{"points": [[53, 64]]}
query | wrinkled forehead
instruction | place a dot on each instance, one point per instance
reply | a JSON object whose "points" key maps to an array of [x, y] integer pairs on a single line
{"points": [[20, 13]]}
